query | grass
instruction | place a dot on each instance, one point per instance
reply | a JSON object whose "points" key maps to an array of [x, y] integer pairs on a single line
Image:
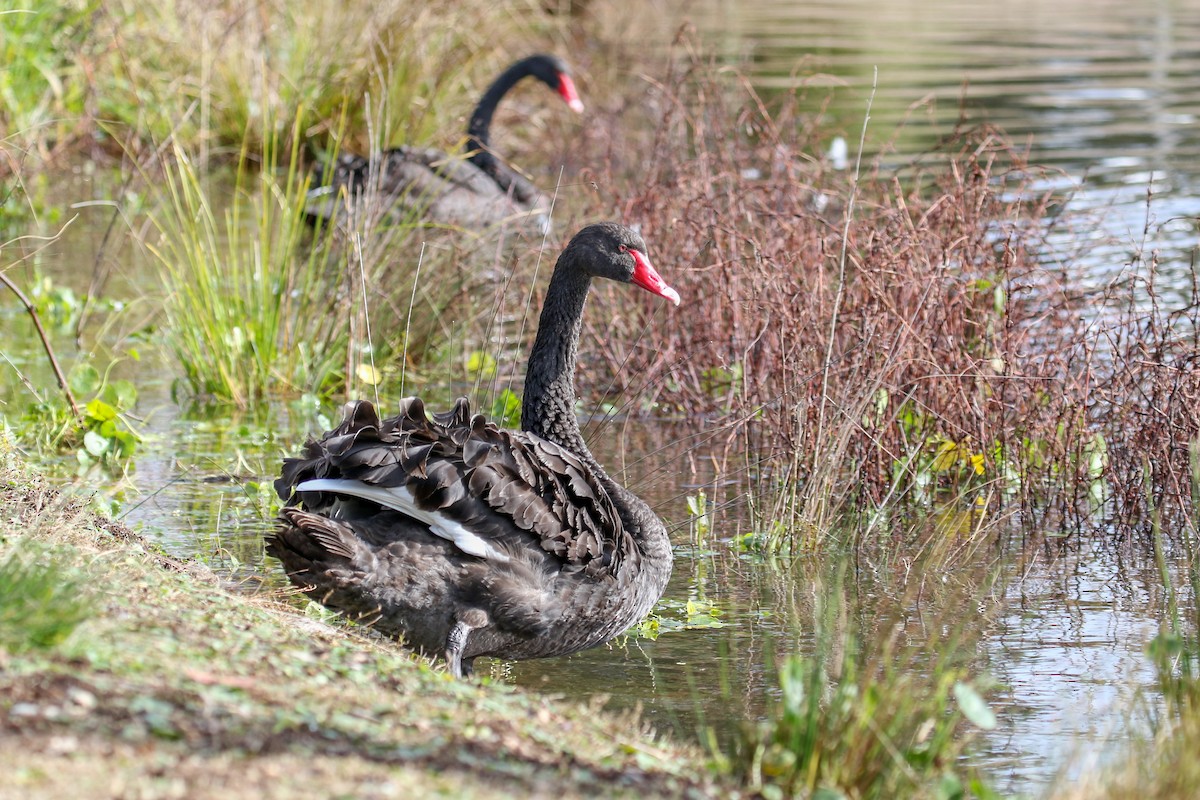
{"points": [[252, 304], [883, 694], [206, 78], [169, 673], [259, 303], [43, 86], [42, 601]]}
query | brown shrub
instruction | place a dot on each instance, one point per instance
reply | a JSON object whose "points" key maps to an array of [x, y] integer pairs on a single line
{"points": [[888, 334]]}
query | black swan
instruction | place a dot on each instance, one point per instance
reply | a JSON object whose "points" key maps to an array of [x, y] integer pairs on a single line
{"points": [[467, 540], [473, 192]]}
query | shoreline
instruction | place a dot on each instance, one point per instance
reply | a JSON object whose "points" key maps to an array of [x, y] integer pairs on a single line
{"points": [[174, 686]]}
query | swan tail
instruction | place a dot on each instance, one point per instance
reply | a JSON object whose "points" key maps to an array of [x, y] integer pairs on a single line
{"points": [[304, 539]]}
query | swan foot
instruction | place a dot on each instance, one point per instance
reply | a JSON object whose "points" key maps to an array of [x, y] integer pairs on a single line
{"points": [[456, 641]]}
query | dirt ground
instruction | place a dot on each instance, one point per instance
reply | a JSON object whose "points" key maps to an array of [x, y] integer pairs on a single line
{"points": [[173, 686]]}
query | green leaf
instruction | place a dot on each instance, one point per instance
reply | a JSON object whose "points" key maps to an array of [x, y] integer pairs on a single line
{"points": [[1097, 455], [1165, 647], [825, 793], [95, 444], [506, 409], [126, 394], [482, 363], [974, 707], [982, 791], [368, 374], [84, 379], [946, 458], [950, 788], [100, 411], [128, 443]]}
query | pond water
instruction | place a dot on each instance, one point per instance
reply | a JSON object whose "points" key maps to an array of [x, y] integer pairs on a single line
{"points": [[1105, 92]]}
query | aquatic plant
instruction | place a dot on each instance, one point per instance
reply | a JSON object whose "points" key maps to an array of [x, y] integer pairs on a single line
{"points": [[255, 301], [911, 348], [99, 431], [862, 714]]}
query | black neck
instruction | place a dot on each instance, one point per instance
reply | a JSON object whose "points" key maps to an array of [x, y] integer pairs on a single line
{"points": [[548, 408], [478, 131]]}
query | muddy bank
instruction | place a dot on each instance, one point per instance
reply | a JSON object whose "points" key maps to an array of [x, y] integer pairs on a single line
{"points": [[174, 686]]}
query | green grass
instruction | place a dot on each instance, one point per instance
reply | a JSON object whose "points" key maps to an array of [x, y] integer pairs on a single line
{"points": [[240, 696], [258, 303], [43, 88], [865, 714], [42, 599], [253, 304]]}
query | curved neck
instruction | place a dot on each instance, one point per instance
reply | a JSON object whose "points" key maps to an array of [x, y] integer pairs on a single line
{"points": [[478, 131], [548, 407]]}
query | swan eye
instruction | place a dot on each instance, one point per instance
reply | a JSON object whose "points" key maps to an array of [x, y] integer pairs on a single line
{"points": [[623, 248]]}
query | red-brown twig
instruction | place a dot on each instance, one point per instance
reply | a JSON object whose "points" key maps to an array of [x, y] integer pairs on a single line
{"points": [[37, 323]]}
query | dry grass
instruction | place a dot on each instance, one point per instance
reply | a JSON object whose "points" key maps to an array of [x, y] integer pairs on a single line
{"points": [[114, 74], [950, 352]]}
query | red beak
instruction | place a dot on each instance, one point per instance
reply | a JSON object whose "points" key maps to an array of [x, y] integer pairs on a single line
{"points": [[648, 278], [566, 88]]}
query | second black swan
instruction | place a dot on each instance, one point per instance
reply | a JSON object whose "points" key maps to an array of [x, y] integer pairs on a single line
{"points": [[474, 190], [467, 540]]}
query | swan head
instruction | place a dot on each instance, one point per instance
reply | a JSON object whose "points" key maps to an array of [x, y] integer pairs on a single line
{"points": [[614, 251], [554, 72]]}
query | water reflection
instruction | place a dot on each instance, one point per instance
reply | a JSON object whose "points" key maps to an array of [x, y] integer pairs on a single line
{"points": [[1070, 650], [1104, 92]]}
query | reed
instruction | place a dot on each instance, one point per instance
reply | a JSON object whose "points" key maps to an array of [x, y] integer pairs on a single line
{"points": [[253, 299]]}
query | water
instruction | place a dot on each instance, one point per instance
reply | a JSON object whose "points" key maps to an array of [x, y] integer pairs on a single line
{"points": [[1102, 92]]}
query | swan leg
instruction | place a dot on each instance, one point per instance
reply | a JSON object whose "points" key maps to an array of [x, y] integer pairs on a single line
{"points": [[456, 642]]}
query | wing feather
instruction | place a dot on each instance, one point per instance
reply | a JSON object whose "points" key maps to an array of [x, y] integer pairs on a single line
{"points": [[503, 489]]}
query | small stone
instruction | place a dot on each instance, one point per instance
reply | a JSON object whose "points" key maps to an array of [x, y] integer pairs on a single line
{"points": [[25, 710], [61, 745], [81, 697]]}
